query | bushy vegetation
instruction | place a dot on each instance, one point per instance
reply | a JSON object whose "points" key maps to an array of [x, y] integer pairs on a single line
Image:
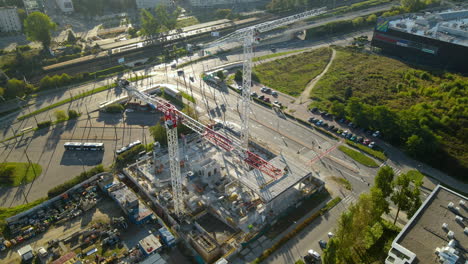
{"points": [[17, 173], [115, 108], [362, 236], [358, 156], [290, 75], [341, 26], [278, 54], [344, 182], [44, 124], [128, 157], [57, 190], [374, 153], [422, 111]]}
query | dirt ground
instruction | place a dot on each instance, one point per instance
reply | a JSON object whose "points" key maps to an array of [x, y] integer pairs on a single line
{"points": [[104, 210]]}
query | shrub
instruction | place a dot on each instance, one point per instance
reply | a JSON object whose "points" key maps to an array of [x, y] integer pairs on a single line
{"points": [[60, 115], [57, 190], [115, 108], [128, 157], [73, 114], [44, 124]]}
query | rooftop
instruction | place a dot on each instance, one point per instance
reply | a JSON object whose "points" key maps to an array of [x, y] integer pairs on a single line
{"points": [[449, 25], [424, 232], [268, 188], [150, 244]]}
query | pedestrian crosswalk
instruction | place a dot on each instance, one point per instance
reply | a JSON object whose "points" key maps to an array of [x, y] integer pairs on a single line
{"points": [[349, 199], [397, 171]]}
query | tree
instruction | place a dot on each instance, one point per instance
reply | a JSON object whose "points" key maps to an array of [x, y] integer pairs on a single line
{"points": [[238, 76], [330, 253], [38, 27], [384, 179], [167, 18], [159, 133], [149, 25], [18, 88], [60, 115], [223, 13], [220, 75], [337, 109], [411, 5], [22, 15], [406, 195], [72, 114]]}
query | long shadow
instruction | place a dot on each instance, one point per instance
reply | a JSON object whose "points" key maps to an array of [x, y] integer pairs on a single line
{"points": [[54, 137], [81, 157]]}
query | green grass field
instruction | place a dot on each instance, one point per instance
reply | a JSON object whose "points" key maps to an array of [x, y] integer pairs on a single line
{"points": [[290, 75], [189, 21], [359, 157], [17, 173], [415, 175], [273, 55]]}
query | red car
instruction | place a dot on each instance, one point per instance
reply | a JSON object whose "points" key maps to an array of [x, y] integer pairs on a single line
{"points": [[266, 99], [366, 141]]}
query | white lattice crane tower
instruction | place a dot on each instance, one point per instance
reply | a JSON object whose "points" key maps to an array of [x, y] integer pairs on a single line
{"points": [[249, 36]]}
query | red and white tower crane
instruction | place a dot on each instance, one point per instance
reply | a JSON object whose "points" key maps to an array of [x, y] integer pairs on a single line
{"points": [[173, 116]]}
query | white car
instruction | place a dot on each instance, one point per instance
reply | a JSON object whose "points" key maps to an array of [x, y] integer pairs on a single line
{"points": [[376, 134], [314, 254], [372, 144], [330, 234], [129, 110]]}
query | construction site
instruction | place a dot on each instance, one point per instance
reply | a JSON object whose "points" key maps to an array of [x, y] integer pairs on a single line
{"points": [[224, 202]]}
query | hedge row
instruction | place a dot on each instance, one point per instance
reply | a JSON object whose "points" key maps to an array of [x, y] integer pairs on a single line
{"points": [[374, 153], [298, 229], [57, 190]]}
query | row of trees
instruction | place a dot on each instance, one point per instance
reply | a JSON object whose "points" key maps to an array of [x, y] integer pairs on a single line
{"points": [[361, 231]]}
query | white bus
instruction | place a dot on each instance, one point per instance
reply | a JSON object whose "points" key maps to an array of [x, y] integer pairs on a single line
{"points": [[84, 146]]}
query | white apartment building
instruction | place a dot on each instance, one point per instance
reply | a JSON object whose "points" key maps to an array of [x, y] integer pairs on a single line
{"points": [[151, 3], [209, 3], [9, 19], [65, 5]]}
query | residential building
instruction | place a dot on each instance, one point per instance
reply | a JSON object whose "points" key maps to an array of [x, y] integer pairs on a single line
{"points": [[437, 233], [9, 19], [65, 5]]}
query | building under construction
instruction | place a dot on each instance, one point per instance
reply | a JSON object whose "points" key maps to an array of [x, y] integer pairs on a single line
{"points": [[225, 202]]}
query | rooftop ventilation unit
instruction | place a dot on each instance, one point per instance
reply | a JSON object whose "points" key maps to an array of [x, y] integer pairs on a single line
{"points": [[461, 203], [450, 205], [459, 219], [466, 231], [452, 243]]}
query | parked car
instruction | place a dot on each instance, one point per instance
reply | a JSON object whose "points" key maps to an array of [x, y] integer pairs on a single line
{"points": [[314, 109], [335, 129], [359, 139], [311, 120], [266, 99], [349, 136], [331, 127], [325, 125], [253, 94], [322, 243], [263, 89], [261, 97], [353, 138], [274, 93], [319, 123], [376, 134], [330, 235], [345, 133], [372, 144], [366, 141], [339, 131], [342, 120]]}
